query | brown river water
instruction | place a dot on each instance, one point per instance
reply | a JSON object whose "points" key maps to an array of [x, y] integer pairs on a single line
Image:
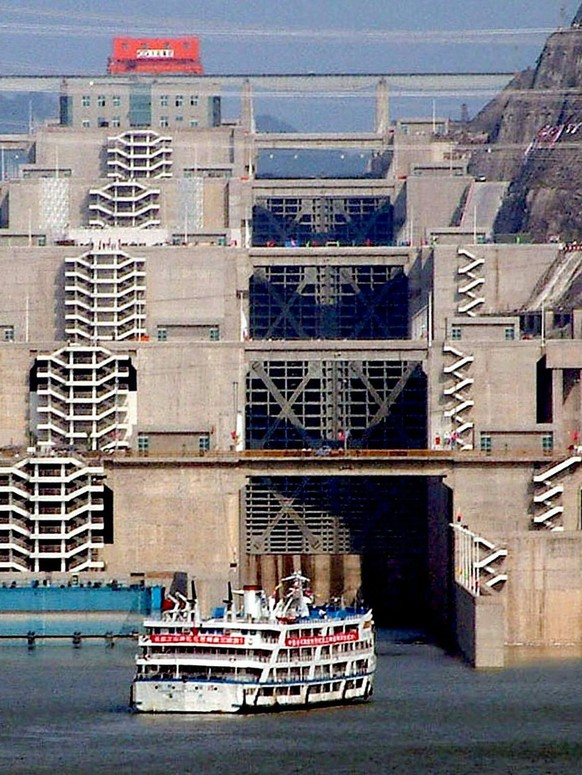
{"points": [[64, 711]]}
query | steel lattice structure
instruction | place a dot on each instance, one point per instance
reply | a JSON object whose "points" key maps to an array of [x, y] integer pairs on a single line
{"points": [[335, 514], [328, 302], [355, 220], [314, 403]]}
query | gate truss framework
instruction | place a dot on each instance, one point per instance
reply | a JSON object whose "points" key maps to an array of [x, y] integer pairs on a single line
{"points": [[348, 220], [329, 302], [336, 515], [299, 404]]}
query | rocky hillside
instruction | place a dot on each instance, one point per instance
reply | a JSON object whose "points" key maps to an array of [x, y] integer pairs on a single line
{"points": [[534, 139]]}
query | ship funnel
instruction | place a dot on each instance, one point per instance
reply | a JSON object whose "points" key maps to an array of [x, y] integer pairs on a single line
{"points": [[252, 601]]}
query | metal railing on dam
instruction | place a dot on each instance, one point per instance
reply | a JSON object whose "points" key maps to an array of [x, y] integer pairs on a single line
{"points": [[354, 462], [232, 456]]}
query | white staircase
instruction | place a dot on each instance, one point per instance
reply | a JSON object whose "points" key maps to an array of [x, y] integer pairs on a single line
{"points": [[470, 283], [548, 510], [461, 438]]}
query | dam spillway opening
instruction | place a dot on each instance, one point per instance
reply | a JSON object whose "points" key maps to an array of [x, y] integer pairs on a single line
{"points": [[375, 536]]}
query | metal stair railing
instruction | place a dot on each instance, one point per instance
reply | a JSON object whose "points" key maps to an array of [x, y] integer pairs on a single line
{"points": [[479, 563]]}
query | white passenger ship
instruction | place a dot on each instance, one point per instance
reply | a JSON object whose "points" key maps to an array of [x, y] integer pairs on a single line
{"points": [[268, 655]]}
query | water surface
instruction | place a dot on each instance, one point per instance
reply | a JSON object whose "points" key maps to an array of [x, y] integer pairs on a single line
{"points": [[64, 711]]}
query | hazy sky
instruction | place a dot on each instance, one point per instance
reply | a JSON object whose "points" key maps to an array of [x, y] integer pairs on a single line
{"points": [[294, 36], [73, 36]]}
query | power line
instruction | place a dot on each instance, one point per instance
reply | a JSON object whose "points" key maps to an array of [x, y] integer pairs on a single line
{"points": [[106, 26]]}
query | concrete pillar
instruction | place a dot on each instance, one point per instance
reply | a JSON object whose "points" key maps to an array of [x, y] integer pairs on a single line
{"points": [[480, 628], [382, 109], [560, 441], [247, 114], [247, 120]]}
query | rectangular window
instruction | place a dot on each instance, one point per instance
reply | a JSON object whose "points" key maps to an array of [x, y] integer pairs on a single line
{"points": [[509, 333], [547, 443], [164, 101], [116, 121], [214, 333], [162, 334], [143, 442], [85, 123], [7, 333], [204, 442], [179, 119], [193, 100], [456, 333], [485, 442], [164, 121], [179, 101], [116, 100], [101, 100], [86, 101], [193, 123]]}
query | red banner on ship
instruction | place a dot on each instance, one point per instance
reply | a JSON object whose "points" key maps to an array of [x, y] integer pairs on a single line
{"points": [[220, 640], [323, 640]]}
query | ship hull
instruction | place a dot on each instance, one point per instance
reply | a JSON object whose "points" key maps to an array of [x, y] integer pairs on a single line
{"points": [[195, 696]]}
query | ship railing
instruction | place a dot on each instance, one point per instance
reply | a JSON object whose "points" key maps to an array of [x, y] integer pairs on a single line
{"points": [[325, 658], [202, 657], [232, 659], [202, 678]]}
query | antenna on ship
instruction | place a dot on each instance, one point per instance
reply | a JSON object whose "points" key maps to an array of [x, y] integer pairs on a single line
{"points": [[229, 598], [194, 603]]}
